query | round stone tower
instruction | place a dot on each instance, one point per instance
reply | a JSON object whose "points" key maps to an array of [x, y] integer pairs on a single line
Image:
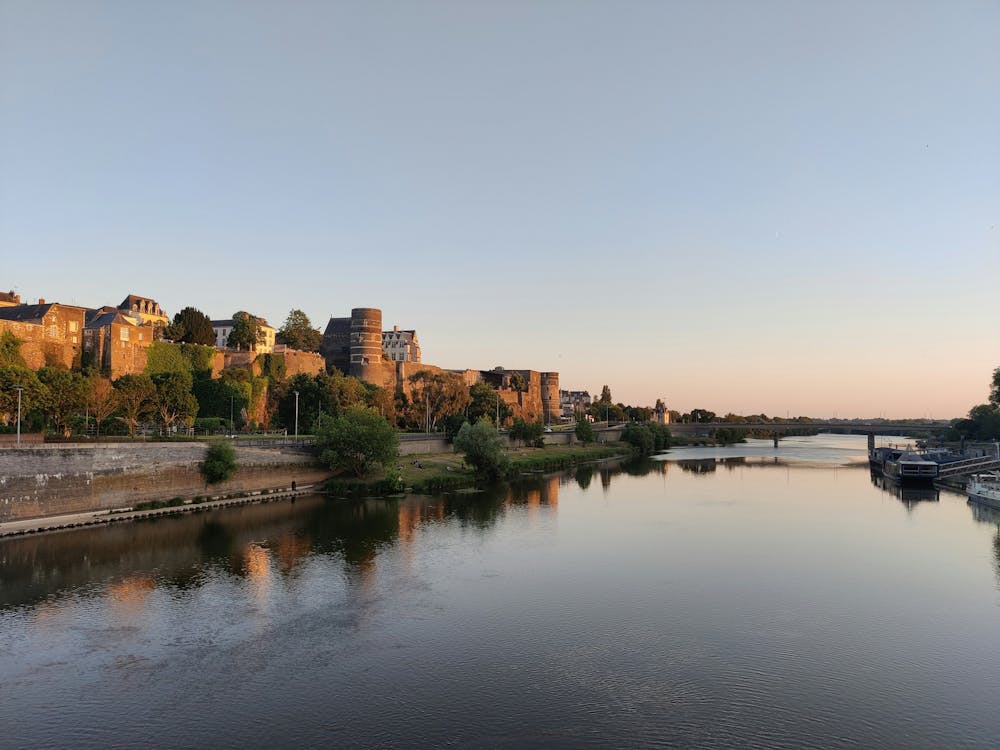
{"points": [[366, 343], [550, 397]]}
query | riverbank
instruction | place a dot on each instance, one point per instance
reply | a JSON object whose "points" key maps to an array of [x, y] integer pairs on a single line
{"points": [[442, 472]]}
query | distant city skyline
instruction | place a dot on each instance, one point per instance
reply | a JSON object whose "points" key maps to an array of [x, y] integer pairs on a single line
{"points": [[771, 207]]}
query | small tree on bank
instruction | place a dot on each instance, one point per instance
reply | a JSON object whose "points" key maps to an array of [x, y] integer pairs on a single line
{"points": [[585, 431], [356, 441], [483, 449]]}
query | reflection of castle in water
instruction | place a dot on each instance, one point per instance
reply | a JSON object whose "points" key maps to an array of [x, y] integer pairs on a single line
{"points": [[908, 495]]}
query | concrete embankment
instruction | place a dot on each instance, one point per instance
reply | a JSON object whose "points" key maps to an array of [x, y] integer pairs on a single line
{"points": [[44, 480]]}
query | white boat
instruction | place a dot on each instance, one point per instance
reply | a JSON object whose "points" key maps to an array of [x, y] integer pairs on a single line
{"points": [[985, 489]]}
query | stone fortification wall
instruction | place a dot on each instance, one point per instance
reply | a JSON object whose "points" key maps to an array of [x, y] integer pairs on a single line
{"points": [[550, 397], [298, 362], [366, 343], [49, 480]]}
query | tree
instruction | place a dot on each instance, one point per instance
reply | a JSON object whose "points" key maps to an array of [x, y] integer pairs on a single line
{"points": [[219, 464], [640, 437], [485, 403], [190, 326], [356, 441], [529, 433], [33, 393], [440, 393], [297, 332], [605, 396], [173, 398], [10, 350], [67, 395], [517, 381], [483, 449], [995, 388], [102, 399], [585, 431], [246, 333], [136, 394]]}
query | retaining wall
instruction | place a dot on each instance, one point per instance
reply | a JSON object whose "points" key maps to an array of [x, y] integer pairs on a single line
{"points": [[38, 481]]}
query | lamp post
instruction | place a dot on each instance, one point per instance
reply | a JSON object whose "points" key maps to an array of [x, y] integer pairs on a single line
{"points": [[296, 416], [18, 388], [232, 424]]}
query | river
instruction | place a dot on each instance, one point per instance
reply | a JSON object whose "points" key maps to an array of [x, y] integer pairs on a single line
{"points": [[738, 597]]}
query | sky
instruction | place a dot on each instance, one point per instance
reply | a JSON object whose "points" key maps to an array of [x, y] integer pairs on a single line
{"points": [[778, 207]]}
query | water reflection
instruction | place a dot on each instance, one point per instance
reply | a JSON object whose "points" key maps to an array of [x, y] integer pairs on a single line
{"points": [[909, 495], [255, 543]]}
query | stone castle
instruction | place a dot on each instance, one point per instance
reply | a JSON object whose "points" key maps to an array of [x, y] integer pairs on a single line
{"points": [[357, 346]]}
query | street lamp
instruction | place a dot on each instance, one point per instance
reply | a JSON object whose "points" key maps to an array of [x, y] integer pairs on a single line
{"points": [[296, 416], [18, 388], [232, 424]]}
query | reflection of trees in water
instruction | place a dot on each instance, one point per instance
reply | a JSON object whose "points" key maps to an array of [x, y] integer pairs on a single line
{"points": [[697, 465], [181, 551]]}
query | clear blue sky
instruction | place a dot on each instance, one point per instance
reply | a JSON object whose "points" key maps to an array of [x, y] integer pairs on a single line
{"points": [[747, 206]]}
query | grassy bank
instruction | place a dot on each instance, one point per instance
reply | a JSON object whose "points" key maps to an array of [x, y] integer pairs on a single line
{"points": [[442, 472]]}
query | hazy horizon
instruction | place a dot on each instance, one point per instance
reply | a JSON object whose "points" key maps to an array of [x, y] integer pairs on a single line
{"points": [[771, 207]]}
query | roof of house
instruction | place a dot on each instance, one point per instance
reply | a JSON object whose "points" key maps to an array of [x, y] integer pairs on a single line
{"points": [[10, 297], [27, 313], [102, 318], [133, 299]]}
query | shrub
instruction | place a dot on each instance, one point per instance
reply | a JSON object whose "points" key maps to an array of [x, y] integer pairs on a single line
{"points": [[220, 463], [585, 431]]}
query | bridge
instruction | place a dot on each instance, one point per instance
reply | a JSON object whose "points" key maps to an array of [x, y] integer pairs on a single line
{"points": [[878, 427]]}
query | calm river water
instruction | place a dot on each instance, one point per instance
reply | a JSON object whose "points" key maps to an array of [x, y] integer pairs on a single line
{"points": [[741, 597]]}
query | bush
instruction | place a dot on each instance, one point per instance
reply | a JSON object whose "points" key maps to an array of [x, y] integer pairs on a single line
{"points": [[483, 448], [529, 433], [219, 464], [585, 431], [356, 441]]}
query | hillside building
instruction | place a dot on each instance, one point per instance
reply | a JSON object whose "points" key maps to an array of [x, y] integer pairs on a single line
{"points": [[401, 346], [265, 335]]}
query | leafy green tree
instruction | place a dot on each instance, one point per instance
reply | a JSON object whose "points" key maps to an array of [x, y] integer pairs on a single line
{"points": [[222, 398], [640, 437], [102, 399], [246, 332], [605, 395], [517, 381], [10, 350], [190, 326], [219, 464], [483, 449], [585, 431], [439, 393], [297, 332], [33, 394], [67, 395], [995, 388], [136, 399], [356, 441], [173, 399], [485, 403], [529, 433]]}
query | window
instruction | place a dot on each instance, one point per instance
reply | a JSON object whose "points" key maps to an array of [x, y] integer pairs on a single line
{"points": [[124, 334], [73, 326]]}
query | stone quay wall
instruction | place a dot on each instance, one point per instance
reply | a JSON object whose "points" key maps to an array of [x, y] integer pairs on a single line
{"points": [[39, 480]]}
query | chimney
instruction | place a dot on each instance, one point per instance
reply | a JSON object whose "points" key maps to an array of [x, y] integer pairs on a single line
{"points": [[41, 300], [395, 328]]}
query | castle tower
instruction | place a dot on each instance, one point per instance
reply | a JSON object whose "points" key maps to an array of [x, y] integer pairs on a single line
{"points": [[366, 343], [550, 397]]}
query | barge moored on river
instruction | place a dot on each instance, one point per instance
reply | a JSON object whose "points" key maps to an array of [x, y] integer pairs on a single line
{"points": [[985, 489]]}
